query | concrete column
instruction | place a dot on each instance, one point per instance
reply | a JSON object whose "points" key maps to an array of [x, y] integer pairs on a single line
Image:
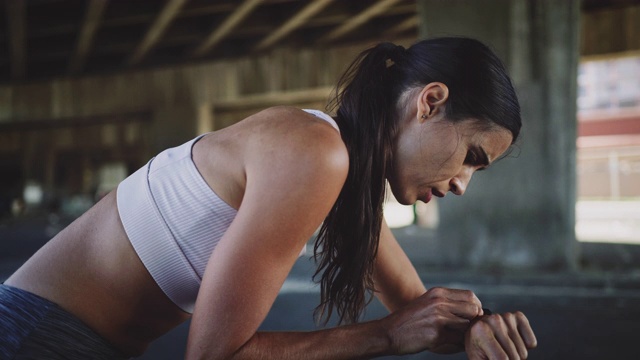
{"points": [[521, 213]]}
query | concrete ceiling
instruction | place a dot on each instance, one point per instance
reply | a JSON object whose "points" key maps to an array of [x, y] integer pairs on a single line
{"points": [[42, 39]]}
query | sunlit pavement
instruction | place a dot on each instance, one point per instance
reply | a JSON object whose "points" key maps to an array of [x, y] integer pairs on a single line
{"points": [[575, 316]]}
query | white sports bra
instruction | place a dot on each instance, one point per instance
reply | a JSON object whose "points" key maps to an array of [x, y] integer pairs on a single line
{"points": [[174, 220]]}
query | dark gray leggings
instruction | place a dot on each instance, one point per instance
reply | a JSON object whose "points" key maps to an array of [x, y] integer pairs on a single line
{"points": [[35, 328]]}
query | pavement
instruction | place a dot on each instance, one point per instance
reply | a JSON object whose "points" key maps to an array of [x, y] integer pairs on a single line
{"points": [[576, 315]]}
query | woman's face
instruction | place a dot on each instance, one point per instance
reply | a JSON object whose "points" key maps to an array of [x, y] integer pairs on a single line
{"points": [[433, 156]]}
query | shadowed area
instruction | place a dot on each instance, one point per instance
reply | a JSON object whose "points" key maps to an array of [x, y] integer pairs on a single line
{"points": [[575, 315]]}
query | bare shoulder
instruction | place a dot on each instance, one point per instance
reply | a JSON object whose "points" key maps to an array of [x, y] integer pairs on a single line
{"points": [[272, 146], [287, 121], [287, 137]]}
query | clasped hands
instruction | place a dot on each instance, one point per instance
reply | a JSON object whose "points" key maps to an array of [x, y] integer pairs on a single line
{"points": [[446, 321]]}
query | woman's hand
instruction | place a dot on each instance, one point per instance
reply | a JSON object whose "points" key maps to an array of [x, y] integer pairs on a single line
{"points": [[500, 336], [436, 321]]}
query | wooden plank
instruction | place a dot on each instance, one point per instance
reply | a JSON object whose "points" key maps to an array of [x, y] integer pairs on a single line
{"points": [[267, 99], [406, 25], [159, 26], [219, 33], [16, 18], [90, 24], [632, 27], [75, 122], [278, 72], [610, 56], [295, 22], [355, 22], [610, 31], [207, 9]]}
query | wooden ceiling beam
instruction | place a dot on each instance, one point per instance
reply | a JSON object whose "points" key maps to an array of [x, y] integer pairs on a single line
{"points": [[206, 10], [16, 18], [406, 25], [185, 13], [290, 97], [220, 32], [358, 20], [92, 18], [295, 22], [159, 26]]}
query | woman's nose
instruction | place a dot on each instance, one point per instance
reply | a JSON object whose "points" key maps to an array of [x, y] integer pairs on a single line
{"points": [[458, 184]]}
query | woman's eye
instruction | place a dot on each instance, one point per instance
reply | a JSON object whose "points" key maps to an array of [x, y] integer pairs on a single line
{"points": [[471, 158]]}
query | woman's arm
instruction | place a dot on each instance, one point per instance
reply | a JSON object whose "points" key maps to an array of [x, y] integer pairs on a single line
{"points": [[435, 321], [488, 336], [292, 182], [294, 172], [398, 285], [396, 280]]}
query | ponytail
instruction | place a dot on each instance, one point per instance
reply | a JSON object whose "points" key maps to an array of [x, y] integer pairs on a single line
{"points": [[347, 242]]}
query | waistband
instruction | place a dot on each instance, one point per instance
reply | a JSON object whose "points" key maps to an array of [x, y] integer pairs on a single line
{"points": [[33, 327]]}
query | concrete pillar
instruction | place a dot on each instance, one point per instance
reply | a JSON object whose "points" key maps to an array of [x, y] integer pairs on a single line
{"points": [[521, 213]]}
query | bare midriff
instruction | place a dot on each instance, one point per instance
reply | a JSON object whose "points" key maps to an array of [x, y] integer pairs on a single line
{"points": [[91, 270]]}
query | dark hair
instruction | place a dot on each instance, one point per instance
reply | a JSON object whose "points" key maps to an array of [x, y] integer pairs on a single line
{"points": [[366, 99]]}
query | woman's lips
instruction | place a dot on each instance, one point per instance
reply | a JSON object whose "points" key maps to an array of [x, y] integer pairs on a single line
{"points": [[429, 195]]}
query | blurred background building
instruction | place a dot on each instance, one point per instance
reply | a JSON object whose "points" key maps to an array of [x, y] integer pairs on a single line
{"points": [[91, 89]]}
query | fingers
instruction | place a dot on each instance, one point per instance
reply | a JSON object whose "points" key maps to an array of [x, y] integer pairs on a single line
{"points": [[458, 313], [464, 303], [525, 330], [500, 336], [511, 320], [443, 317], [437, 320], [505, 332], [491, 350], [456, 294]]}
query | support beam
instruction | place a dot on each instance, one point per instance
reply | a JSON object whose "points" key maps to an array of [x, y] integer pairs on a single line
{"points": [[90, 24], [160, 25], [16, 18], [226, 27], [185, 13], [410, 23], [355, 22], [295, 22], [207, 9]]}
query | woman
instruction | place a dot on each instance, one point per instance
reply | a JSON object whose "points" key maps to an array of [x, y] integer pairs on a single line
{"points": [[211, 229]]}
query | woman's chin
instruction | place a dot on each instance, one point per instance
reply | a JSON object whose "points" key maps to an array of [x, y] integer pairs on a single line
{"points": [[402, 197], [406, 200]]}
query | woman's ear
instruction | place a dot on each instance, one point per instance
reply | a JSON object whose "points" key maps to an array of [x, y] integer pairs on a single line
{"points": [[431, 100]]}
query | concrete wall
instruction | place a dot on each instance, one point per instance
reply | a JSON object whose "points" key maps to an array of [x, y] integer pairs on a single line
{"points": [[521, 213]]}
